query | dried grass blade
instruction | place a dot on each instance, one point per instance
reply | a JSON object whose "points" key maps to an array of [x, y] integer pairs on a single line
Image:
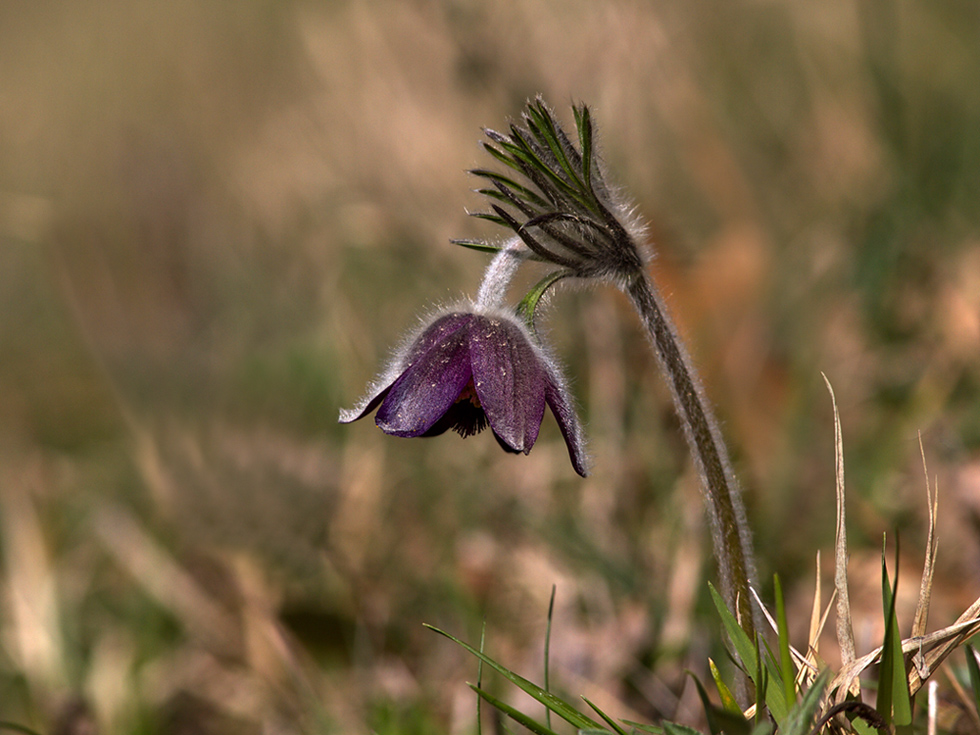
{"points": [[847, 677], [798, 657], [937, 646], [817, 622], [925, 589], [813, 639], [845, 630]]}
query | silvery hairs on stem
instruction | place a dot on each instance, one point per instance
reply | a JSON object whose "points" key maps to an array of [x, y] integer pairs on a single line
{"points": [[556, 200]]}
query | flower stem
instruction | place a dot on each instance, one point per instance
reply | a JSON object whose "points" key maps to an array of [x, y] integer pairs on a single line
{"points": [[730, 532], [500, 272]]}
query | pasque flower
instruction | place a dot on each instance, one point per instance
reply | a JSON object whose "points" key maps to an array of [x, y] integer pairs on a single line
{"points": [[480, 366], [469, 368], [554, 197]]}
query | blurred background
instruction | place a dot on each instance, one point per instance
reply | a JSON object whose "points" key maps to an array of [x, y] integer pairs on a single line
{"points": [[216, 217]]}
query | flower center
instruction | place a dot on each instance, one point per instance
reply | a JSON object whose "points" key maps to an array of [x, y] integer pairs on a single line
{"points": [[467, 415], [469, 394]]}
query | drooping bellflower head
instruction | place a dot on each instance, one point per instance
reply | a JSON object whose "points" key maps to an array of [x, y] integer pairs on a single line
{"points": [[475, 367], [467, 369], [482, 365]]}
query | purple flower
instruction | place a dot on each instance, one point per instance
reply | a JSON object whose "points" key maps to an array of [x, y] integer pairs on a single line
{"points": [[466, 370]]}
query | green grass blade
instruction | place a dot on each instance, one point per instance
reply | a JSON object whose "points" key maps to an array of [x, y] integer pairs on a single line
{"points": [[775, 693], [606, 718], [785, 660], [863, 728], [761, 685], [801, 717], [744, 648], [721, 720], [479, 682], [547, 650], [974, 669], [557, 705], [672, 728], [894, 700], [901, 694], [774, 673], [749, 656], [728, 701], [641, 727], [529, 722], [886, 672]]}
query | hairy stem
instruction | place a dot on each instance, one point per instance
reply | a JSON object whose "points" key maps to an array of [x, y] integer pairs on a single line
{"points": [[729, 528], [500, 272]]}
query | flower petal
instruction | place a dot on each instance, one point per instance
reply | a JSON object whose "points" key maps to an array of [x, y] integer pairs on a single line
{"points": [[439, 369], [367, 404], [560, 402], [439, 331], [510, 379], [377, 391]]}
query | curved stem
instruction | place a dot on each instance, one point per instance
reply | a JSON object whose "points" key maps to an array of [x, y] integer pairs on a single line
{"points": [[500, 272], [730, 532]]}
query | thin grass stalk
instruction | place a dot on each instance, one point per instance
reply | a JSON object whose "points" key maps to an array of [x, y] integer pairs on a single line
{"points": [[547, 652]]}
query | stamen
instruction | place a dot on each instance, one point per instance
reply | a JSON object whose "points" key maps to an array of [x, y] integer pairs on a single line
{"points": [[467, 415]]}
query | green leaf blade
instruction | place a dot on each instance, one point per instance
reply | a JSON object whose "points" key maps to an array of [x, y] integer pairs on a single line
{"points": [[801, 717], [785, 660], [894, 699], [749, 656], [616, 727], [557, 705], [529, 722], [974, 669], [728, 701]]}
